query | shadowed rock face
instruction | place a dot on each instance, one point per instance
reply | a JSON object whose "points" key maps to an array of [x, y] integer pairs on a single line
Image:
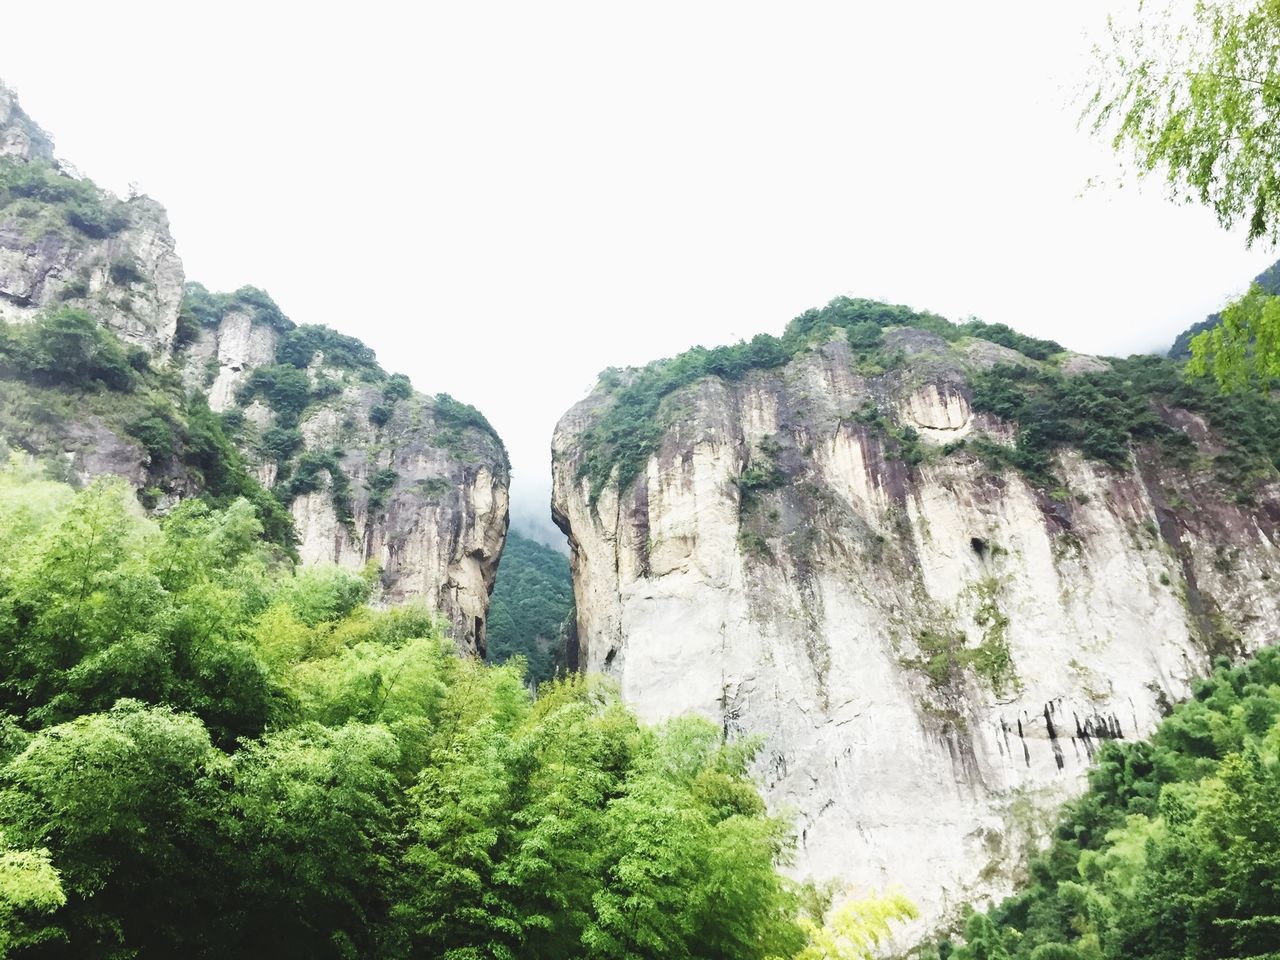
{"points": [[930, 655], [426, 502]]}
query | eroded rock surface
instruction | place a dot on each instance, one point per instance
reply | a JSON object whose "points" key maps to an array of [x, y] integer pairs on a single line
{"points": [[423, 498], [931, 654]]}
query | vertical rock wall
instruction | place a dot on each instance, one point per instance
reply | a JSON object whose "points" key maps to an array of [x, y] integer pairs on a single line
{"points": [[931, 655]]}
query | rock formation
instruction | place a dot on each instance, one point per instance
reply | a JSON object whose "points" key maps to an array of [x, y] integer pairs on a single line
{"points": [[370, 470], [929, 646]]}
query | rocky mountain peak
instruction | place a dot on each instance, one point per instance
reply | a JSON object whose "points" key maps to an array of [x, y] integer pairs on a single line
{"points": [[20, 136], [222, 395]]}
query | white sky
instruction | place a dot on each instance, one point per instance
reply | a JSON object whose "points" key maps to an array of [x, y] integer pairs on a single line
{"points": [[505, 198]]}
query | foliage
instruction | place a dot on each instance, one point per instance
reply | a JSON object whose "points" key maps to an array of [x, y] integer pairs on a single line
{"points": [[200, 308], [453, 418], [74, 574], [221, 758], [286, 389], [396, 388], [903, 442], [300, 345], [73, 370], [28, 883], [306, 479], [125, 271], [944, 655], [1006, 336], [1103, 414], [1173, 852], [1198, 101], [220, 472], [455, 414], [380, 414], [65, 348], [78, 203], [281, 443], [1243, 350], [380, 486], [531, 602], [1268, 280], [628, 433], [857, 928]]}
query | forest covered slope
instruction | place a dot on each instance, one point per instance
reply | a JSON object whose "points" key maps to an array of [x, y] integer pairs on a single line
{"points": [[1172, 853], [530, 608]]}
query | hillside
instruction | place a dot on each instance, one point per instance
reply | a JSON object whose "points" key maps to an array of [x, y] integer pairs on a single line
{"points": [[112, 364]]}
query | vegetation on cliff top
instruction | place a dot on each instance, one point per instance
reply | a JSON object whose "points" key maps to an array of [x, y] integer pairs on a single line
{"points": [[288, 387], [62, 369], [1174, 851], [631, 428], [36, 192], [203, 754], [1101, 413]]}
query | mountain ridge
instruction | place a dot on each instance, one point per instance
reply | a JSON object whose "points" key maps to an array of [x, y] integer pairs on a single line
{"points": [[308, 424]]}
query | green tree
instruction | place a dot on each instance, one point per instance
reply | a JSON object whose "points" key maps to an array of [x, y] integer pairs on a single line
{"points": [[116, 799], [1197, 100], [211, 755], [857, 928], [1243, 350], [531, 602], [29, 884], [312, 815]]}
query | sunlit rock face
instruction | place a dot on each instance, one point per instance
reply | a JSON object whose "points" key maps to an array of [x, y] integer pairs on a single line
{"points": [[424, 500], [931, 654], [436, 532], [428, 505]]}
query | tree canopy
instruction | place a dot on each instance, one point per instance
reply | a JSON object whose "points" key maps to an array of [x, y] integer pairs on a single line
{"points": [[1174, 851], [530, 606], [206, 754], [1196, 99]]}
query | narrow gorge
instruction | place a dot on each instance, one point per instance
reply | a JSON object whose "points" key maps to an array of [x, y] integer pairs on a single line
{"points": [[929, 569]]}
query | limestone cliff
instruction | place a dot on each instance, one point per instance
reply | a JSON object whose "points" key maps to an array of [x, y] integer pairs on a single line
{"points": [[369, 470], [830, 553]]}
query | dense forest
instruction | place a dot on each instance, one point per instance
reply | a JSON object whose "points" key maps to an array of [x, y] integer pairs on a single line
{"points": [[530, 606], [205, 754], [1174, 851]]}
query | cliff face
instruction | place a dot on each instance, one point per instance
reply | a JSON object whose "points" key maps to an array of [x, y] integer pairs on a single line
{"points": [[369, 470], [399, 484], [20, 136], [931, 648]]}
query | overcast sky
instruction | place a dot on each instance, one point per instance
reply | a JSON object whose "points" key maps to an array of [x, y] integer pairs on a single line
{"points": [[505, 198]]}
